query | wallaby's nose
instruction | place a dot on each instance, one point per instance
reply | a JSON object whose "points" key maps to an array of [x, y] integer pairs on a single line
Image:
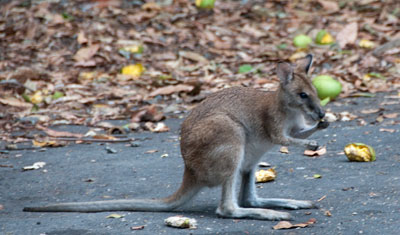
{"points": [[321, 114]]}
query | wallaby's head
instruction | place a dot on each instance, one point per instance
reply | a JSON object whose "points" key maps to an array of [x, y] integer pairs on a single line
{"points": [[296, 90]]}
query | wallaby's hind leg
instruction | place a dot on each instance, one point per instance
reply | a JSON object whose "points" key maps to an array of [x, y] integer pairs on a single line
{"points": [[229, 208], [248, 196]]}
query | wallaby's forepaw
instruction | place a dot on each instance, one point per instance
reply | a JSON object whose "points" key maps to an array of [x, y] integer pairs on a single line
{"points": [[323, 124], [312, 145]]}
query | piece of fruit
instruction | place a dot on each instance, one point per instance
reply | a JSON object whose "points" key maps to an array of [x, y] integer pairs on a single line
{"points": [[364, 43], [37, 97], [360, 152], [205, 4], [302, 41], [263, 176], [327, 87], [134, 70], [324, 38]]}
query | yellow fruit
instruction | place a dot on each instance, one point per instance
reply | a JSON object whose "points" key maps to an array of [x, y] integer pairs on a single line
{"points": [[360, 152], [37, 97], [265, 175], [364, 43], [324, 38], [302, 41], [327, 87], [134, 70]]}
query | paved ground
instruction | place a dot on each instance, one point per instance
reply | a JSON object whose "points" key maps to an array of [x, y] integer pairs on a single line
{"points": [[361, 197]]}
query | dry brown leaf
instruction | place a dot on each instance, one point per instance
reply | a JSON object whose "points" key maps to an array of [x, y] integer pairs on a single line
{"points": [[103, 137], [331, 6], [47, 143], [151, 151], [168, 90], [86, 53], [15, 102], [348, 35], [82, 38], [54, 133], [137, 227], [156, 127], [369, 111], [288, 225], [390, 115], [387, 130], [318, 152], [193, 56]]}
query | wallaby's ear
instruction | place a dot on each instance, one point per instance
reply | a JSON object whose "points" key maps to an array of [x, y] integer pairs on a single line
{"points": [[284, 71], [304, 65]]}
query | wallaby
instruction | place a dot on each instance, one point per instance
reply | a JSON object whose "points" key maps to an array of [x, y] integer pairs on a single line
{"points": [[223, 139]]}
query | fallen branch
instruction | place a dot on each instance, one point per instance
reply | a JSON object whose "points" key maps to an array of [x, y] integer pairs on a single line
{"points": [[93, 140]]}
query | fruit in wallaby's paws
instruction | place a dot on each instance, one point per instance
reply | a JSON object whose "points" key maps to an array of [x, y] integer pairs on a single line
{"points": [[205, 4], [327, 87], [302, 41], [324, 38], [360, 152]]}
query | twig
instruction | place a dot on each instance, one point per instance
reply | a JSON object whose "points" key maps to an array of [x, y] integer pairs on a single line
{"points": [[93, 140]]}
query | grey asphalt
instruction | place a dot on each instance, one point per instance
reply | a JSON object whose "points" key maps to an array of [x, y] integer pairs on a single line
{"points": [[362, 198]]}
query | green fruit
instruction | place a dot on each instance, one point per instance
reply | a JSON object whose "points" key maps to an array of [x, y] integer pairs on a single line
{"points": [[327, 87], [205, 4], [302, 41], [324, 38]]}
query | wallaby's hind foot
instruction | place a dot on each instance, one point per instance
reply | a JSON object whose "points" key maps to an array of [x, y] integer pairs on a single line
{"points": [[252, 213], [279, 203]]}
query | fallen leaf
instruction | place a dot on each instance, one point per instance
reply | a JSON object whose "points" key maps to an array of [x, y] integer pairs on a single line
{"points": [[387, 130], [283, 225], [81, 38], [369, 111], [103, 137], [284, 149], [264, 164], [181, 222], [115, 216], [327, 213], [288, 225], [347, 116], [318, 152], [348, 35], [193, 56], [47, 143], [167, 90], [151, 151], [86, 53], [35, 166], [390, 115], [317, 176], [54, 133], [330, 6], [137, 227], [15, 102], [156, 127]]}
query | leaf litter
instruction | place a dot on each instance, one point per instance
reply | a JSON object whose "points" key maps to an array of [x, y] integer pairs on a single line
{"points": [[63, 64]]}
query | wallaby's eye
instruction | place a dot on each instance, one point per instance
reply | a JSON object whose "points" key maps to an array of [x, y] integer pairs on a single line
{"points": [[303, 95]]}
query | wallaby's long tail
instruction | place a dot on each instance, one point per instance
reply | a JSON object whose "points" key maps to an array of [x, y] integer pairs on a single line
{"points": [[185, 193]]}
